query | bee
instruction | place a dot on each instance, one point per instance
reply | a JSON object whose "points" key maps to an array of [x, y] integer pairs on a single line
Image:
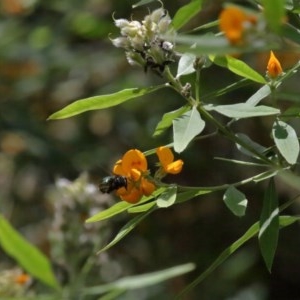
{"points": [[112, 183]]}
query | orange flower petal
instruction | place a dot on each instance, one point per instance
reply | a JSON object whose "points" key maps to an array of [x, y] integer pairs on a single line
{"points": [[118, 169], [274, 67], [135, 175], [165, 156], [232, 21], [134, 159], [147, 187], [133, 197], [175, 167]]}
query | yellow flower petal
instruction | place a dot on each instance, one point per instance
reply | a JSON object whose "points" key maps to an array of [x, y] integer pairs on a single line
{"points": [[134, 159], [274, 67], [233, 21], [147, 187], [165, 156], [175, 167]]}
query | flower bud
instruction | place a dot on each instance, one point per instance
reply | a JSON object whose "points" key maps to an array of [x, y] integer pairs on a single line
{"points": [[121, 23], [121, 42]]}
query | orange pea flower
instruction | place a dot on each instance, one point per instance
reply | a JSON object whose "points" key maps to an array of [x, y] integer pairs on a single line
{"points": [[133, 166], [274, 67], [166, 159], [233, 22]]}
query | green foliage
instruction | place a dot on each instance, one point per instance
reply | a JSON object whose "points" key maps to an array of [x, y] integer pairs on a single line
{"points": [[236, 201], [269, 225], [28, 256], [211, 105], [186, 127]]}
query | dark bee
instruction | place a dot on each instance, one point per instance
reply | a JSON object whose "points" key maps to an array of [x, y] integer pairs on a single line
{"points": [[111, 183]]}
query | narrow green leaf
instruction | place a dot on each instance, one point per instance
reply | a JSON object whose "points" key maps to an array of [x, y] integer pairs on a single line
{"points": [[262, 93], [246, 139], [186, 64], [186, 127], [120, 207], [238, 67], [269, 225], [141, 208], [236, 201], [274, 12], [101, 102], [117, 208], [126, 229], [141, 281], [168, 118], [286, 141], [243, 110], [186, 13], [27, 255], [142, 2], [168, 197], [266, 175], [250, 233]]}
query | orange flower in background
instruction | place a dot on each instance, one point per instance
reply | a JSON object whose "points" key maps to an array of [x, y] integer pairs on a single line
{"points": [[133, 166], [233, 22], [274, 67], [166, 159]]}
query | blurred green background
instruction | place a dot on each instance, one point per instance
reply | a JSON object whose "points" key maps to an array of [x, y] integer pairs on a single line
{"points": [[53, 52]]}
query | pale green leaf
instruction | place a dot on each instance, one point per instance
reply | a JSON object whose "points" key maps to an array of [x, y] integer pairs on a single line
{"points": [[262, 93], [257, 147], [101, 102], [27, 255], [186, 127], [243, 110], [186, 13], [236, 201], [141, 281], [186, 64], [238, 67], [168, 197], [126, 229], [286, 141], [142, 2], [168, 118], [269, 225]]}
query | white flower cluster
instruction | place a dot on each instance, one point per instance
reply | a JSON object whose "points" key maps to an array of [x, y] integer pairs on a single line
{"points": [[143, 41]]}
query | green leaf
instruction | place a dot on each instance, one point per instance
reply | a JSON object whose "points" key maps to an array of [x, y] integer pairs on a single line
{"points": [[291, 112], [141, 281], [102, 101], [142, 2], [291, 32], [117, 208], [238, 67], [186, 64], [186, 13], [120, 207], [27, 255], [168, 197], [141, 208], [286, 141], [126, 229], [186, 127], [236, 201], [168, 118], [243, 110], [262, 93], [250, 233], [274, 12], [269, 225], [259, 148]]}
